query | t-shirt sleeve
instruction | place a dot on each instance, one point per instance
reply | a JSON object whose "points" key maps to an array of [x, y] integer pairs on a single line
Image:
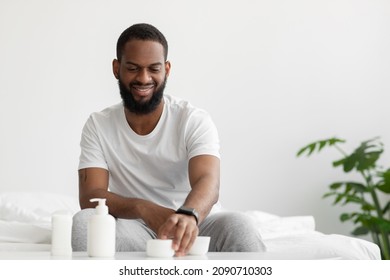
{"points": [[201, 135], [91, 151]]}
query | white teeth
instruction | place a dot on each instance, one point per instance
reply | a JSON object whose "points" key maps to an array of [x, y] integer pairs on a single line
{"points": [[143, 89]]}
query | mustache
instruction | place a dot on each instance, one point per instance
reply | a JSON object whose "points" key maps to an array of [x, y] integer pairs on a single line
{"points": [[136, 83]]}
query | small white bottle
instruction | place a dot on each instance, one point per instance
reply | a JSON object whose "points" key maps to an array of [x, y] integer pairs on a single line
{"points": [[101, 231], [61, 234]]}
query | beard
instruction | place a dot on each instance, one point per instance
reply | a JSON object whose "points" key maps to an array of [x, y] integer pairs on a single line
{"points": [[141, 108]]}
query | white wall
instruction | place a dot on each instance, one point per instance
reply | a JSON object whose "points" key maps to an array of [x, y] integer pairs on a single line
{"points": [[274, 75]]}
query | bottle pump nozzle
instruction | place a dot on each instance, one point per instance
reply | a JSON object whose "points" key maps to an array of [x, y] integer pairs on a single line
{"points": [[102, 208]]}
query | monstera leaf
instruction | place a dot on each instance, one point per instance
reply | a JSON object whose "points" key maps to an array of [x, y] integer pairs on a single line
{"points": [[372, 218]]}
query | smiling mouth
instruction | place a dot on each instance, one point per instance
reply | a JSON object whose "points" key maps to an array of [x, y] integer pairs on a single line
{"points": [[142, 90]]}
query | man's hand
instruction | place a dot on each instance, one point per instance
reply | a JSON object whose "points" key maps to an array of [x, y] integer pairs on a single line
{"points": [[154, 215], [182, 229]]}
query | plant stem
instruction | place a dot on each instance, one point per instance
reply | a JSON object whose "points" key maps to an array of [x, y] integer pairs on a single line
{"points": [[383, 233], [340, 150], [375, 238]]}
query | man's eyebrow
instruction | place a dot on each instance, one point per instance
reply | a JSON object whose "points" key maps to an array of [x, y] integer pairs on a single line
{"points": [[151, 65]]}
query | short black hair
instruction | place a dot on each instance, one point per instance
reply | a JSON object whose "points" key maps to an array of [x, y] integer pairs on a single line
{"points": [[141, 31]]}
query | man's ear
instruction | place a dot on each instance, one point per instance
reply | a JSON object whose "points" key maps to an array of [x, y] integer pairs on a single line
{"points": [[167, 68], [115, 68]]}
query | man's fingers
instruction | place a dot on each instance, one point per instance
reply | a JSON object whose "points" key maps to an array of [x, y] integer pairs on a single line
{"points": [[179, 239], [186, 232], [186, 242], [182, 229], [167, 229]]}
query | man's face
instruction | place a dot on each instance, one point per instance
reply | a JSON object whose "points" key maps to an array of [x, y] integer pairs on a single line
{"points": [[142, 74]]}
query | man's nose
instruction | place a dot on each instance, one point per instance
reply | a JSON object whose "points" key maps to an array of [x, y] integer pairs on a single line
{"points": [[143, 76]]}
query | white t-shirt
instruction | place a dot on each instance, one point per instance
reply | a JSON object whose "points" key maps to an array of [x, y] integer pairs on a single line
{"points": [[154, 166]]}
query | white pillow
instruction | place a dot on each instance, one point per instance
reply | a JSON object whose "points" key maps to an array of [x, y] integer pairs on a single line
{"points": [[25, 217], [270, 225], [34, 207]]}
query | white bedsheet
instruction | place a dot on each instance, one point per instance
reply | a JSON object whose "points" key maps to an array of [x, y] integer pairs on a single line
{"points": [[316, 245], [296, 238], [25, 225]]}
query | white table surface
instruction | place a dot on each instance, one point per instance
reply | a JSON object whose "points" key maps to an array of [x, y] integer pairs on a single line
{"points": [[46, 255]]}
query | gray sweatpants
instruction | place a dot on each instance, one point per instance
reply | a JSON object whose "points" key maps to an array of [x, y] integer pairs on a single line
{"points": [[229, 232]]}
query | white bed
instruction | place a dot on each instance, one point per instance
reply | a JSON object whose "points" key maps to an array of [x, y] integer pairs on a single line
{"points": [[25, 225]]}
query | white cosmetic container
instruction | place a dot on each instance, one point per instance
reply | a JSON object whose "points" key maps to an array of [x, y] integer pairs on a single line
{"points": [[159, 248], [101, 232], [200, 246], [61, 236]]}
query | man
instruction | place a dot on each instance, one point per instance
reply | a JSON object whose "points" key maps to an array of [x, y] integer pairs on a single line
{"points": [[155, 159]]}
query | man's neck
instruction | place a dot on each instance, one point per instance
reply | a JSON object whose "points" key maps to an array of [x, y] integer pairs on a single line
{"points": [[143, 124]]}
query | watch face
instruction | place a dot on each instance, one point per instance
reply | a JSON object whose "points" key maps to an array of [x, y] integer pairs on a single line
{"points": [[187, 209]]}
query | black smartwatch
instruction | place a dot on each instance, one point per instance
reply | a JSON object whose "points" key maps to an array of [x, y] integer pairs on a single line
{"points": [[188, 211]]}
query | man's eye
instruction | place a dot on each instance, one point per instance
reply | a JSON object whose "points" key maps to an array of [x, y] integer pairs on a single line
{"points": [[155, 69], [132, 69]]}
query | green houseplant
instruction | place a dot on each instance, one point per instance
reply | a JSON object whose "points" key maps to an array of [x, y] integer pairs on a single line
{"points": [[371, 217]]}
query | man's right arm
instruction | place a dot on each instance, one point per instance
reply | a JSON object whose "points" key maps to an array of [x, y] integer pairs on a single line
{"points": [[93, 183]]}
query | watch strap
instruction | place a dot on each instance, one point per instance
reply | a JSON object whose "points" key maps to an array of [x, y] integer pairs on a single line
{"points": [[188, 211]]}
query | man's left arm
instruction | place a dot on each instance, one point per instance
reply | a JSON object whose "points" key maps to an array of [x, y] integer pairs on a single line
{"points": [[204, 176]]}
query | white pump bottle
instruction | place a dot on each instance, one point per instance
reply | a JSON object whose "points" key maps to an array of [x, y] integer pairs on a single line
{"points": [[101, 231]]}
